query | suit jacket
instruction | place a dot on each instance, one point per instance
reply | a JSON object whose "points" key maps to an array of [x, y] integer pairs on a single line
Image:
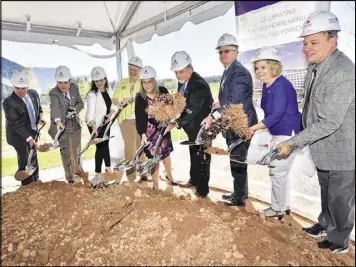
{"points": [[140, 111], [330, 121], [199, 101], [18, 124], [236, 87], [59, 106], [96, 107]]}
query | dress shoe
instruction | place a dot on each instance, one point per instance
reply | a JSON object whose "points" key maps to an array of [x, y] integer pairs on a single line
{"points": [[232, 202], [189, 184], [198, 195], [228, 196], [171, 182], [336, 249]]}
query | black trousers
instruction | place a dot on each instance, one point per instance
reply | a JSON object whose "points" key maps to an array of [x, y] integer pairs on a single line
{"points": [[238, 170], [199, 164], [23, 150], [102, 150]]}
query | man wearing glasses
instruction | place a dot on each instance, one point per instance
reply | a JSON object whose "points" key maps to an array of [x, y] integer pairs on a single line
{"points": [[236, 87], [66, 103], [23, 112]]}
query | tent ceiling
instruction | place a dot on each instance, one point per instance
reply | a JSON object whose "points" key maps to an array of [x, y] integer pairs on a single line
{"points": [[101, 21]]}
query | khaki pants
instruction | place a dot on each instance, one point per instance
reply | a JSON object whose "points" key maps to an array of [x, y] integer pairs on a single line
{"points": [[132, 142], [69, 144]]}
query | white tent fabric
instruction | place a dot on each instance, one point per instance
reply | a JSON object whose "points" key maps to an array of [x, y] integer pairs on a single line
{"points": [[85, 23]]}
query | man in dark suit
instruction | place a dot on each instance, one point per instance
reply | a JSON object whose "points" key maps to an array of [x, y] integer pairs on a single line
{"points": [[199, 100], [236, 87], [66, 103], [23, 112]]}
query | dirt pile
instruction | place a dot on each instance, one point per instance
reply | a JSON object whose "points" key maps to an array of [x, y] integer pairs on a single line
{"points": [[60, 224]]}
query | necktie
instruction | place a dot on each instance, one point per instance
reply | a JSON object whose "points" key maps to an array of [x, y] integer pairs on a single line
{"points": [[182, 89], [30, 113], [66, 98], [307, 100], [221, 88]]}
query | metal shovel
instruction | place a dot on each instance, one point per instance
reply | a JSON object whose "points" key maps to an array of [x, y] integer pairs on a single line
{"points": [[262, 161], [29, 169], [198, 140], [126, 165], [148, 165]]}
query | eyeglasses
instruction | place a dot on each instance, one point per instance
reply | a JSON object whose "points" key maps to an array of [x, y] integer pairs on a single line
{"points": [[148, 82], [225, 51]]}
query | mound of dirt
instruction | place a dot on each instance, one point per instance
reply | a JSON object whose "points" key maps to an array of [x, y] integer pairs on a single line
{"points": [[60, 224]]}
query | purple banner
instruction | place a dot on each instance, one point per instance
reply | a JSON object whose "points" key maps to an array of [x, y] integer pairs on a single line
{"points": [[242, 7]]}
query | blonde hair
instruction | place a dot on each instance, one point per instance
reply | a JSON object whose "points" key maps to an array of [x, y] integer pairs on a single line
{"points": [[155, 88], [275, 67]]}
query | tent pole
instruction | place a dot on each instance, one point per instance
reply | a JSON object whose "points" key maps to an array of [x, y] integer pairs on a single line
{"points": [[118, 60]]}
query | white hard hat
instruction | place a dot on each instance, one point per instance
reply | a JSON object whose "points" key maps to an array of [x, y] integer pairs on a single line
{"points": [[19, 80], [320, 21], [147, 72], [265, 53], [97, 73], [180, 60], [136, 61], [226, 39], [63, 74]]}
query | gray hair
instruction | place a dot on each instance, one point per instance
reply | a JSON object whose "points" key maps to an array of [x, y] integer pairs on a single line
{"points": [[190, 66], [155, 88], [331, 34]]}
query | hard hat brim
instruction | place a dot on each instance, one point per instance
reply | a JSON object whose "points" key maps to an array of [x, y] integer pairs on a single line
{"points": [[63, 79], [20, 85], [135, 65]]}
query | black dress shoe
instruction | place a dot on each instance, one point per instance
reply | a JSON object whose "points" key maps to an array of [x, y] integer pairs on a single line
{"points": [[233, 202], [198, 195], [336, 249], [228, 196], [189, 184], [171, 182]]}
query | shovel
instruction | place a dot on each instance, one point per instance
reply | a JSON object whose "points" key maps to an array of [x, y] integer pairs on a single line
{"points": [[148, 165], [55, 143], [262, 161], [126, 165], [198, 140], [112, 120], [29, 169]]}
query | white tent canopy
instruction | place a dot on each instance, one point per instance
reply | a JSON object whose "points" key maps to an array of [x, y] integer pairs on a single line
{"points": [[85, 23]]}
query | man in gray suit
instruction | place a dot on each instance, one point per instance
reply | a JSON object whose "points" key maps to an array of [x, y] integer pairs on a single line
{"points": [[328, 120], [66, 103]]}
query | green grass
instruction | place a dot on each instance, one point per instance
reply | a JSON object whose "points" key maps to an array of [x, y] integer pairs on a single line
{"points": [[46, 160], [52, 158]]}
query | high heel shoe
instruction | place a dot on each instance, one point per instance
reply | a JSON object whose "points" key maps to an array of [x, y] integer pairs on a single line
{"points": [[171, 182]]}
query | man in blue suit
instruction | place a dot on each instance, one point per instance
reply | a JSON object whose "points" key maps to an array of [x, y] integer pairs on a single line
{"points": [[236, 87]]}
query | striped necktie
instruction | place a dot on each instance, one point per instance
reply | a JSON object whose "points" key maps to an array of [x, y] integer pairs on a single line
{"points": [[66, 98], [182, 89], [30, 113]]}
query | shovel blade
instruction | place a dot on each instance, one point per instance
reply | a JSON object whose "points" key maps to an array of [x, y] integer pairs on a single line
{"points": [[189, 143], [21, 175]]}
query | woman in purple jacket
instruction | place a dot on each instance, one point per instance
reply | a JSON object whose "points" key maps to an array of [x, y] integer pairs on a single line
{"points": [[282, 118]]}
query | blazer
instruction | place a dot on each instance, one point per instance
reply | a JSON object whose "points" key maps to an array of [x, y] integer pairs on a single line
{"points": [[199, 101], [330, 121], [140, 111], [236, 87], [96, 107], [279, 103], [59, 106], [18, 124]]}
